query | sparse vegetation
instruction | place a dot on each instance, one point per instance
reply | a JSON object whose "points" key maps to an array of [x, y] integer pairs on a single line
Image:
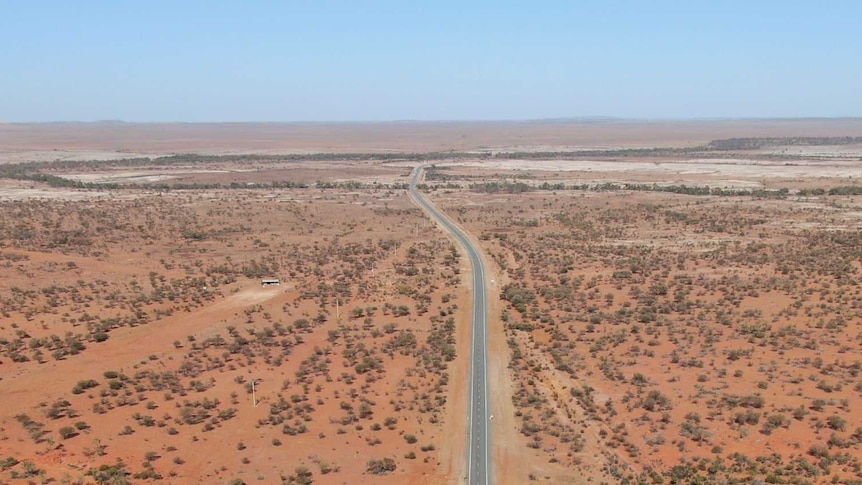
{"points": [[686, 332]]}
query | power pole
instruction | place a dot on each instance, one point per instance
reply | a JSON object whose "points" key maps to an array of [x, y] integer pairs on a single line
{"points": [[253, 395]]}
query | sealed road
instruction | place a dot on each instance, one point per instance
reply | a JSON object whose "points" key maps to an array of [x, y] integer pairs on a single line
{"points": [[479, 442]]}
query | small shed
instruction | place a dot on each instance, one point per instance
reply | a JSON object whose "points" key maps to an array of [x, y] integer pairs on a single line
{"points": [[270, 282]]}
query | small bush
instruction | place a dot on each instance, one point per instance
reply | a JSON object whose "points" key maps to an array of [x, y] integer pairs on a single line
{"points": [[381, 467]]}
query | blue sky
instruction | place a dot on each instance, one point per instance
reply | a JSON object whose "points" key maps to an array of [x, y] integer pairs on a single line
{"points": [[324, 60]]}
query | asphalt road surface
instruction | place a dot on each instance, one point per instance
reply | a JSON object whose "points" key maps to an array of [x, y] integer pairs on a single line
{"points": [[479, 442]]}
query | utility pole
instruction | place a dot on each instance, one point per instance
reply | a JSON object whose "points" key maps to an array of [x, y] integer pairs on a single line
{"points": [[253, 396]]}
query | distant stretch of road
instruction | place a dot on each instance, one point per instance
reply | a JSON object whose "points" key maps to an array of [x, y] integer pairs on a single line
{"points": [[479, 442]]}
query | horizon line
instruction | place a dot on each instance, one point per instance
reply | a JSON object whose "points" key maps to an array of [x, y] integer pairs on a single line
{"points": [[574, 119]]}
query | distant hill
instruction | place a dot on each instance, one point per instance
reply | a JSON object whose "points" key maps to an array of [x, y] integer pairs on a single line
{"points": [[756, 143], [582, 119]]}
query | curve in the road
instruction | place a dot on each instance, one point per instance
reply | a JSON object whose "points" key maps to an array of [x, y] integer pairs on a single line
{"points": [[479, 440]]}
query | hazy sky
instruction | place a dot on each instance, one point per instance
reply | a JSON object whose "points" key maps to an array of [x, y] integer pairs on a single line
{"points": [[437, 59]]}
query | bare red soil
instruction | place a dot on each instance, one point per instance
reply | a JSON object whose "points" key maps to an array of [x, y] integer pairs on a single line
{"points": [[661, 318], [132, 331], [403, 136], [655, 336]]}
